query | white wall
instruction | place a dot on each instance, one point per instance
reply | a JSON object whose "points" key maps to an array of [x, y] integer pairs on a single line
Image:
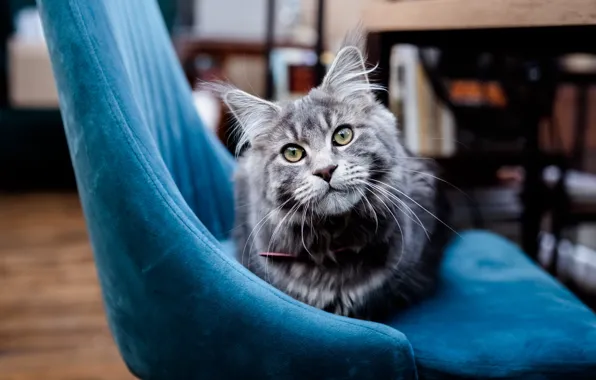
{"points": [[234, 19]]}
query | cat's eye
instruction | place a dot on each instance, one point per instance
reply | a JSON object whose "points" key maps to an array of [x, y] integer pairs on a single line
{"points": [[343, 135], [293, 153]]}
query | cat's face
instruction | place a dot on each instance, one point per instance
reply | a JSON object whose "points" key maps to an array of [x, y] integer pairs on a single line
{"points": [[322, 153]]}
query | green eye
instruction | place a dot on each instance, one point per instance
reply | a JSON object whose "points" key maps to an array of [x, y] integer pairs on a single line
{"points": [[343, 135], [293, 153]]}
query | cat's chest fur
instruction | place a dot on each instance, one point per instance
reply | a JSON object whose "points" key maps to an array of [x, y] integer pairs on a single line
{"points": [[337, 260], [323, 241]]}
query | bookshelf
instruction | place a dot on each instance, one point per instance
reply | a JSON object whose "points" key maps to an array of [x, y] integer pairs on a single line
{"points": [[505, 27], [382, 16]]}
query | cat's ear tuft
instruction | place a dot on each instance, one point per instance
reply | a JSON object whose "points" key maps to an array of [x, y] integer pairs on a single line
{"points": [[348, 75], [249, 109], [253, 114]]}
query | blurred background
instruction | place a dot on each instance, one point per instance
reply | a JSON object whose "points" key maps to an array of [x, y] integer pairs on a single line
{"points": [[512, 131]]}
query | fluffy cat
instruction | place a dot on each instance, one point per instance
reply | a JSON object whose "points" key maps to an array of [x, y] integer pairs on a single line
{"points": [[331, 208]]}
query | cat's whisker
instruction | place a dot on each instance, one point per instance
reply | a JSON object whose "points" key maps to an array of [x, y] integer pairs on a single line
{"points": [[411, 158], [380, 184], [397, 199], [372, 209], [305, 196], [312, 213], [301, 196], [302, 189], [355, 178], [267, 258], [401, 232], [273, 237], [403, 239], [419, 205], [260, 225], [427, 175], [408, 211], [302, 230], [292, 211], [415, 158]]}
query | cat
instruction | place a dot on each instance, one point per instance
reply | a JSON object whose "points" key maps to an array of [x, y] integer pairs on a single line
{"points": [[331, 208]]}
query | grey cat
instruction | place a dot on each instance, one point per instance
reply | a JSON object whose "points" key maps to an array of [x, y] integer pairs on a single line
{"points": [[331, 207]]}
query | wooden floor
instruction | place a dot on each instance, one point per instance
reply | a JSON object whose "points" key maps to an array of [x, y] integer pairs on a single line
{"points": [[52, 325]]}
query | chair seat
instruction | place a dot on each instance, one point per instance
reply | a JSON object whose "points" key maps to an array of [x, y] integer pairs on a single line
{"points": [[497, 315]]}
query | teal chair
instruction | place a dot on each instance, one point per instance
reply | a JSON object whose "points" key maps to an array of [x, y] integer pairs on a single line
{"points": [[156, 188]]}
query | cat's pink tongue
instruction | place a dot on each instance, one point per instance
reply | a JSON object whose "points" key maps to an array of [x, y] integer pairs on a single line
{"points": [[276, 254]]}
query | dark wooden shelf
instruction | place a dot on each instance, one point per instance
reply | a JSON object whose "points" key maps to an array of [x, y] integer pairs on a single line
{"points": [[191, 46]]}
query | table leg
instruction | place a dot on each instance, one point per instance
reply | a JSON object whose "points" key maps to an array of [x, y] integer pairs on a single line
{"points": [[269, 40], [532, 190], [320, 69], [536, 103], [560, 211]]}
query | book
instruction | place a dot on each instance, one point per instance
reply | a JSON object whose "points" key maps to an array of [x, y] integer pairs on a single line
{"points": [[427, 124]]}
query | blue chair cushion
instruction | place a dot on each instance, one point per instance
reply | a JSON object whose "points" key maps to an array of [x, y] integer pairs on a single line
{"points": [[496, 315]]}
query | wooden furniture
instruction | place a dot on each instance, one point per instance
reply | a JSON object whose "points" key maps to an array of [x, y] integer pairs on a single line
{"points": [[538, 30], [427, 15], [189, 47]]}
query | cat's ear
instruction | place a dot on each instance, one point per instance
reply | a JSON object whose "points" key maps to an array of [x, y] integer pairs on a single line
{"points": [[252, 113], [348, 75]]}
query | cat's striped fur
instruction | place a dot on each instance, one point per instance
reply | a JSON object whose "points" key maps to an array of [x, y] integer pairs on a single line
{"points": [[366, 242]]}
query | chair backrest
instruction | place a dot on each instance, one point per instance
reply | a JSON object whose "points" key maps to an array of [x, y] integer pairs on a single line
{"points": [[177, 306], [154, 183], [119, 53]]}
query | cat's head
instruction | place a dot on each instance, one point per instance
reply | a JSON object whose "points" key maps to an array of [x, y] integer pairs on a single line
{"points": [[322, 151]]}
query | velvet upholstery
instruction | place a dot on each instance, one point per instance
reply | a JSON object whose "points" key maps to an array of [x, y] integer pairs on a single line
{"points": [[156, 192], [157, 195], [498, 316]]}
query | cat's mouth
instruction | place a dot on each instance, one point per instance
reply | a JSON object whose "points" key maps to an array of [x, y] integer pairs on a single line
{"points": [[336, 201], [339, 190]]}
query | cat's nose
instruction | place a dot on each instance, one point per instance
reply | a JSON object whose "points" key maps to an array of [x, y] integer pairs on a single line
{"points": [[325, 173]]}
